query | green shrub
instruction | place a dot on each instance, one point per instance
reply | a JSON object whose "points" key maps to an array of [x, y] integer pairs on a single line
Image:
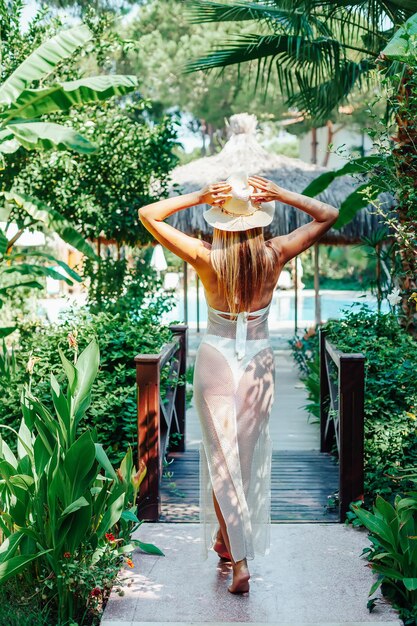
{"points": [[393, 554], [390, 390], [390, 393], [306, 355], [67, 515], [120, 336]]}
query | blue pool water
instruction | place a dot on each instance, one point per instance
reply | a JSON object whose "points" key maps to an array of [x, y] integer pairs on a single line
{"points": [[283, 306]]}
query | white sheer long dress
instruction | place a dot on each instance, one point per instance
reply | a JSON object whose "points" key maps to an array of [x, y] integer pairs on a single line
{"points": [[234, 379]]}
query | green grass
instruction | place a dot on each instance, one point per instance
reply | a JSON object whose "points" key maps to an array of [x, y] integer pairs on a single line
{"points": [[20, 606]]}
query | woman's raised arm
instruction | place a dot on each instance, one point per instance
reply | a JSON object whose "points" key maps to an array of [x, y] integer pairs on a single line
{"points": [[324, 216], [188, 248]]}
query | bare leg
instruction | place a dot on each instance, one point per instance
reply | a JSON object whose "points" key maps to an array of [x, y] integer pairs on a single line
{"points": [[241, 574], [220, 544]]}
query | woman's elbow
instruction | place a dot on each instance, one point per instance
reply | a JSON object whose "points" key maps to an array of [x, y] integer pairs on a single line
{"points": [[142, 214]]}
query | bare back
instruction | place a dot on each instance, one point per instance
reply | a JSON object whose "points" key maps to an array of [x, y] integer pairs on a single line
{"points": [[208, 278]]}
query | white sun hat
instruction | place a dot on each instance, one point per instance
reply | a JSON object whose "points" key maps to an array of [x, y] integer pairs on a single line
{"points": [[238, 212]]}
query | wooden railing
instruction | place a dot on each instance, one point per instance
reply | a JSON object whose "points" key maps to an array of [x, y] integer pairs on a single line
{"points": [[342, 384], [158, 417]]}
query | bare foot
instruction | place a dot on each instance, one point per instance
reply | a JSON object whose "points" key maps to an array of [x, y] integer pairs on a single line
{"points": [[220, 547], [241, 577]]}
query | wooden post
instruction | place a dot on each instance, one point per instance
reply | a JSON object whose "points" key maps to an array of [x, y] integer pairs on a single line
{"points": [[149, 436], [327, 431], [295, 296], [351, 420], [316, 284], [185, 273], [180, 330], [197, 281]]}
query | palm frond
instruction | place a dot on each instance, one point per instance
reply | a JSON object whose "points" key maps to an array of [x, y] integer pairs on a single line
{"points": [[320, 100], [377, 10], [278, 19], [404, 8], [200, 11], [290, 50], [319, 49]]}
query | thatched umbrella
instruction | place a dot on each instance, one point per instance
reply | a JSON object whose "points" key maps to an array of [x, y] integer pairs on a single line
{"points": [[243, 151]]}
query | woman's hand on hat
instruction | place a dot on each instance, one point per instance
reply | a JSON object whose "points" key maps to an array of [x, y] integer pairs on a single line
{"points": [[265, 190], [216, 194]]}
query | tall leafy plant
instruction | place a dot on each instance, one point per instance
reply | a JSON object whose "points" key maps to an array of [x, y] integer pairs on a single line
{"points": [[393, 552], [63, 505], [320, 52], [393, 168], [27, 98]]}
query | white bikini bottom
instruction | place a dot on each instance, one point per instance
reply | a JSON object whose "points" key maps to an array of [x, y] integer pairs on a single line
{"points": [[227, 347]]}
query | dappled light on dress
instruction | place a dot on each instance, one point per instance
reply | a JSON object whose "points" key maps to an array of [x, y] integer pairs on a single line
{"points": [[233, 395]]}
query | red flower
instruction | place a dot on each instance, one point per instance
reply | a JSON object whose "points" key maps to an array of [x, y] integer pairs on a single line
{"points": [[67, 555], [298, 344], [95, 592], [110, 537]]}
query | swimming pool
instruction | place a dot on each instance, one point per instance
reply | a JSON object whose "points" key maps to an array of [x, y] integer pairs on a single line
{"points": [[283, 306]]}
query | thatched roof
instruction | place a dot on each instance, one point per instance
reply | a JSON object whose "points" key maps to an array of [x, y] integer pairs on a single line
{"points": [[242, 151]]}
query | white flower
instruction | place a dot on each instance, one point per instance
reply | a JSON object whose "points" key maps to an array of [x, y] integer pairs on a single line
{"points": [[72, 339], [394, 297], [31, 364]]}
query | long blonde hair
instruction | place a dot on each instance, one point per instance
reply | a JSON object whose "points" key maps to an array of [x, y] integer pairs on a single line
{"points": [[242, 263]]}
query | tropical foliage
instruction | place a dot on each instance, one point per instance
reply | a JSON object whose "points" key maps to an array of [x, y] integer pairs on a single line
{"points": [[319, 51], [393, 167], [59, 516], [101, 193], [390, 394], [393, 553], [27, 97], [121, 336], [126, 318], [203, 100], [22, 104]]}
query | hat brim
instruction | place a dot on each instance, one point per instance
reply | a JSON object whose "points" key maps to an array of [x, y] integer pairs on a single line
{"points": [[218, 219]]}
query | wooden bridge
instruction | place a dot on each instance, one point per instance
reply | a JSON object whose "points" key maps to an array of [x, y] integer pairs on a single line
{"points": [[317, 468]]}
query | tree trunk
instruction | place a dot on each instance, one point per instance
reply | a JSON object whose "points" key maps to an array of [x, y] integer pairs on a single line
{"points": [[405, 156], [314, 143], [210, 132], [330, 134]]}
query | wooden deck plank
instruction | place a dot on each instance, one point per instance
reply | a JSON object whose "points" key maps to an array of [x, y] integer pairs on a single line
{"points": [[301, 483]]}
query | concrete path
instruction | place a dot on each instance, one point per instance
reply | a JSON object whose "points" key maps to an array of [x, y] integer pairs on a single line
{"points": [[313, 575]]}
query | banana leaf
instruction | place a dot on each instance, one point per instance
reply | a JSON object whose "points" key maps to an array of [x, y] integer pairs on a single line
{"points": [[42, 61], [53, 220], [33, 103], [48, 135]]}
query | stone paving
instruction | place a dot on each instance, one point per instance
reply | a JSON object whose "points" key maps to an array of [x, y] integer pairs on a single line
{"points": [[313, 574]]}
